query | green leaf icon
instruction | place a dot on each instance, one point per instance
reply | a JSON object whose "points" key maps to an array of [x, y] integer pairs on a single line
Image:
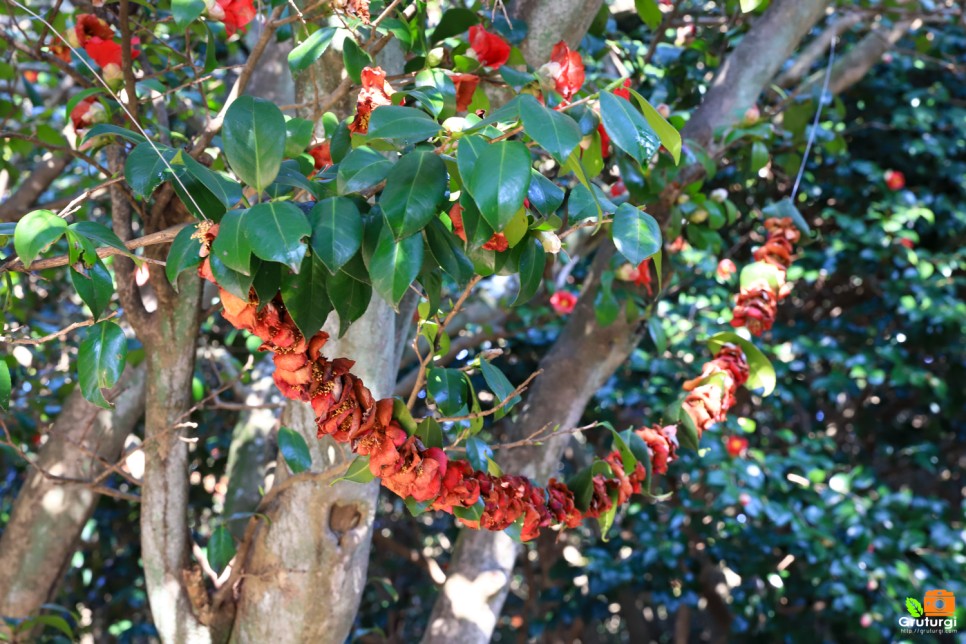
{"points": [[914, 607]]}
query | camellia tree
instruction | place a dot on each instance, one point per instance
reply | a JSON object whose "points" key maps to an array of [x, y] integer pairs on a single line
{"points": [[343, 185]]}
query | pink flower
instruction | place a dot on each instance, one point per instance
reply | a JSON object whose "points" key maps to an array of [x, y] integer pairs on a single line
{"points": [[563, 302]]}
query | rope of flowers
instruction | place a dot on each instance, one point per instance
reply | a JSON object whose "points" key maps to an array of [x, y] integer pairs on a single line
{"points": [[346, 410]]}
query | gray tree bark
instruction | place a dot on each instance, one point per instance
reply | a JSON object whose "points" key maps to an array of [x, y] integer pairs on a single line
{"points": [[586, 355], [550, 21], [49, 515]]}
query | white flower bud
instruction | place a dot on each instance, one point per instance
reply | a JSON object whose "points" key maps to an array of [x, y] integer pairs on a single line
{"points": [[718, 195], [550, 241]]}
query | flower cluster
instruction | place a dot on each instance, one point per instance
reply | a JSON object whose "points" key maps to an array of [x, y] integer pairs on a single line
{"points": [[712, 394], [757, 303], [375, 92], [96, 37], [236, 14]]}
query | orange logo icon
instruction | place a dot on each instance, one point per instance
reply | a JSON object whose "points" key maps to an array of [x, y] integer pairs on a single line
{"points": [[939, 603]]}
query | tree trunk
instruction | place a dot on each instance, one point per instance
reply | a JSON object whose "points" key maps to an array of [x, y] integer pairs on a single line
{"points": [[165, 543], [585, 355], [49, 515], [306, 566], [550, 21]]}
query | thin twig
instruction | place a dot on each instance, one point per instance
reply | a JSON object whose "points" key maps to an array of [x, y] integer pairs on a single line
{"points": [[492, 410], [58, 334]]}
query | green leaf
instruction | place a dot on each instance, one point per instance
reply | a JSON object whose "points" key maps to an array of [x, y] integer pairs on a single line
{"points": [[636, 234], [627, 128], [453, 23], [499, 181], [398, 123], [670, 137], [305, 297], [759, 157], [498, 383], [582, 485], [478, 453], [448, 390], [687, 432], [231, 245], [544, 195], [185, 12], [5, 386], [336, 231], [266, 279], [557, 133], [469, 150], [309, 51], [36, 232], [761, 272], [394, 265], [361, 169], [656, 330], [785, 208], [100, 234], [354, 58], [184, 253], [749, 5], [294, 450], [533, 260], [234, 282], [446, 250], [106, 129], [761, 372], [95, 288], [472, 513], [254, 136], [221, 548], [430, 432], [145, 169], [299, 134], [649, 12], [100, 361], [350, 297], [358, 471], [50, 621], [275, 231], [414, 188]]}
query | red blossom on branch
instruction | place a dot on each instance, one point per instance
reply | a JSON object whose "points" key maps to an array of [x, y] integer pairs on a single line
{"points": [[465, 87], [236, 14], [321, 155], [490, 49], [566, 68], [563, 302], [375, 92]]}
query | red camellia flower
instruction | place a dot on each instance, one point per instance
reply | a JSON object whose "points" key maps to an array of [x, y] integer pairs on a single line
{"points": [[736, 445], [465, 87], [86, 113], [456, 216], [567, 70], [491, 50], [104, 52], [321, 155], [375, 92], [726, 268], [895, 180], [642, 276], [563, 302], [497, 242], [89, 26], [624, 91], [237, 14]]}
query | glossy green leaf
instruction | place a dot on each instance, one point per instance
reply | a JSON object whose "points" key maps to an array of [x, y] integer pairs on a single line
{"points": [[749, 5], [234, 282], [785, 208], [299, 133], [231, 244], [36, 232], [533, 260], [404, 124], [350, 297], [354, 58], [448, 390], [556, 132], [394, 265], [309, 50], [305, 296], [254, 135], [336, 231], [761, 373], [99, 234], [185, 12], [656, 330], [649, 12], [184, 253], [94, 286], [414, 189], [544, 195], [636, 234], [478, 453], [448, 253], [294, 450], [670, 137], [275, 231], [430, 432], [454, 23], [5, 386], [145, 169], [627, 128], [107, 129], [361, 169], [221, 549], [499, 181], [357, 472], [498, 383], [100, 361], [761, 273]]}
